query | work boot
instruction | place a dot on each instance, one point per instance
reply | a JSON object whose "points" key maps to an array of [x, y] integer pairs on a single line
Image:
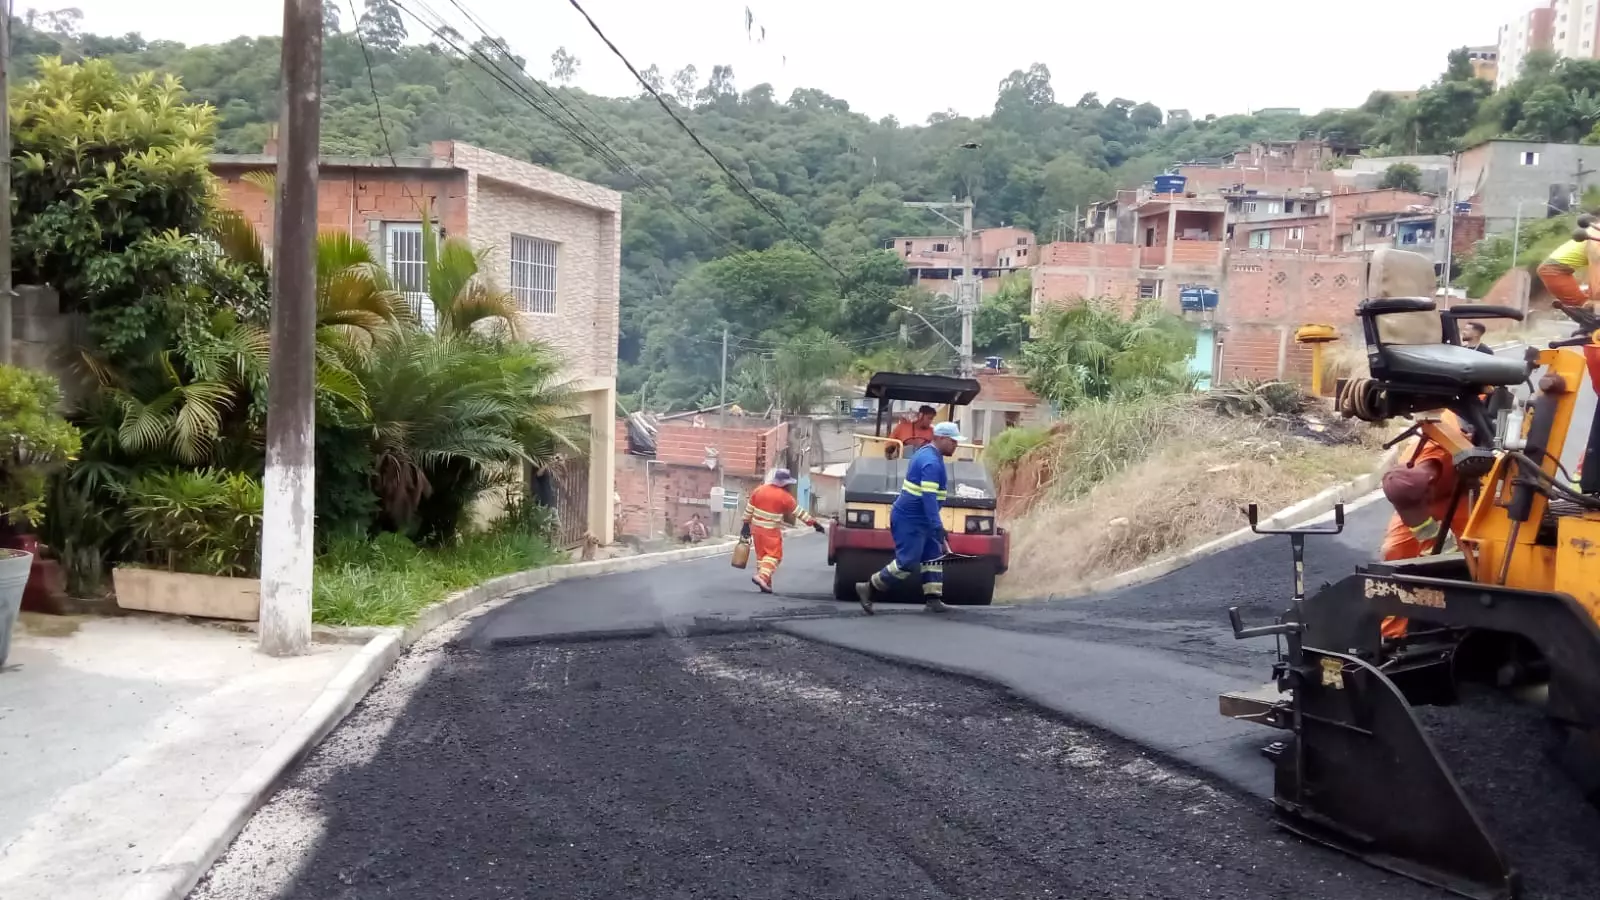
{"points": [[936, 605], [864, 594]]}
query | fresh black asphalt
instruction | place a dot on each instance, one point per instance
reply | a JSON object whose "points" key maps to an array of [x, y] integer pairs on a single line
{"points": [[762, 766], [703, 750]]}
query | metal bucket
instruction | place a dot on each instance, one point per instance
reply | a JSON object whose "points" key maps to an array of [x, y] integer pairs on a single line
{"points": [[15, 567]]}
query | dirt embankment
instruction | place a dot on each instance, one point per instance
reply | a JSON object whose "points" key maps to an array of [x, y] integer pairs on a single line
{"points": [[1112, 488]]}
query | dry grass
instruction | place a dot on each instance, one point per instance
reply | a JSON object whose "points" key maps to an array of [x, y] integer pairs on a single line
{"points": [[1190, 484]]}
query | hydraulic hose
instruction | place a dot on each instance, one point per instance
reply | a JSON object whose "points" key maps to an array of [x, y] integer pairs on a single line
{"points": [[1362, 398]]}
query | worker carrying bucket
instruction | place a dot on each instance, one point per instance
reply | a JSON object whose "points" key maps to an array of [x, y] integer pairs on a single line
{"points": [[764, 517]]}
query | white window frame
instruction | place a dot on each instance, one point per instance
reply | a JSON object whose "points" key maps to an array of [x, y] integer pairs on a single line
{"points": [[534, 266], [1149, 290], [1297, 234], [1250, 206], [402, 258]]}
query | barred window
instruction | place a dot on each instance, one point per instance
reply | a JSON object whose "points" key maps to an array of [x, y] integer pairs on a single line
{"points": [[533, 274], [409, 270]]}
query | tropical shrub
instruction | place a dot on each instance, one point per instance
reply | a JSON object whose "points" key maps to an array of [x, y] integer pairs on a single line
{"points": [[1085, 353], [202, 521], [35, 440]]}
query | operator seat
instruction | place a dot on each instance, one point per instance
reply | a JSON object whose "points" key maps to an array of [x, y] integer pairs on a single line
{"points": [[1408, 344]]}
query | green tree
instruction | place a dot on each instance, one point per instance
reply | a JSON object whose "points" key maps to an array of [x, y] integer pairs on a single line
{"points": [[563, 65], [1070, 184], [1001, 323], [1085, 353], [381, 26], [797, 376], [1401, 177]]}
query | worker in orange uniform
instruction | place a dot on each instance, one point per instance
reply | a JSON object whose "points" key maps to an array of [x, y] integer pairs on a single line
{"points": [[1420, 492], [764, 518], [914, 433]]}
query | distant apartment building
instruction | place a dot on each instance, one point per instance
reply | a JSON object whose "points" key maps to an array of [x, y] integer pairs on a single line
{"points": [[1318, 223], [1532, 31], [934, 261], [1485, 62], [1505, 180]]}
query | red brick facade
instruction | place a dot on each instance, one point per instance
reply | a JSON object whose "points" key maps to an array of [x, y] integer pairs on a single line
{"points": [[676, 484], [1268, 295], [351, 197]]}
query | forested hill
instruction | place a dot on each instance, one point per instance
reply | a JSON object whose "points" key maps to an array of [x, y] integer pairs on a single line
{"points": [[835, 178]]}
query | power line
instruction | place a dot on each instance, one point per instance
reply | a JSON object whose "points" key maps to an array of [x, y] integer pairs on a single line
{"points": [[589, 143], [372, 81], [761, 204]]}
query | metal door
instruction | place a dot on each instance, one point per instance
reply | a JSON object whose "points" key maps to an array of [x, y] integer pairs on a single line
{"points": [[571, 477]]}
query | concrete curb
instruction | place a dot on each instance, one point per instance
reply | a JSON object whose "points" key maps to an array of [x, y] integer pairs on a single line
{"points": [[182, 866], [187, 861], [1318, 506]]}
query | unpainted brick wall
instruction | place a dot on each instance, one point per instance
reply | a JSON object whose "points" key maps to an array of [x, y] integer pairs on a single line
{"points": [[1268, 295]]}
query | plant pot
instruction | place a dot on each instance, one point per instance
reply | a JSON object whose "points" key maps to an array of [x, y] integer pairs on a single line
{"points": [[183, 594], [15, 567]]}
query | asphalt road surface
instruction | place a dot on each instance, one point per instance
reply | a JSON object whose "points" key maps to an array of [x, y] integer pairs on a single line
{"points": [[670, 733], [749, 766]]}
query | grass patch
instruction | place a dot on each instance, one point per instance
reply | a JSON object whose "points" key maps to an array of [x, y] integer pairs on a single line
{"points": [[1130, 483], [388, 580], [1013, 444]]}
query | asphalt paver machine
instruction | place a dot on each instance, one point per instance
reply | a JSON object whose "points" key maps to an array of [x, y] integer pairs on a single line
{"points": [[859, 542], [1514, 608]]}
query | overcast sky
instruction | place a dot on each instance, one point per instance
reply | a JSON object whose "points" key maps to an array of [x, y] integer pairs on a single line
{"points": [[912, 59]]}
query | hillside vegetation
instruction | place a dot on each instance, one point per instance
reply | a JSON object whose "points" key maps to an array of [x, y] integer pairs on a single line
{"points": [[698, 254], [1127, 483]]}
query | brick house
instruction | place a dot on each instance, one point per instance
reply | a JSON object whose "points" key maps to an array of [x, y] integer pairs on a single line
{"points": [[662, 490], [934, 261], [554, 241]]}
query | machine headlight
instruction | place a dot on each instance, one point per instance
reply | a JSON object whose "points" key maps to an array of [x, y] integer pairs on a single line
{"points": [[859, 518], [980, 524]]}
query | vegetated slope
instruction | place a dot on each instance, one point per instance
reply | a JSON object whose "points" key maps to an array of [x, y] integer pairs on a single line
{"points": [[1122, 484]]}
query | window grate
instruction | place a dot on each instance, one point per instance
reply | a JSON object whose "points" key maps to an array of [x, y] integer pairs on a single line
{"points": [[533, 274], [409, 270]]}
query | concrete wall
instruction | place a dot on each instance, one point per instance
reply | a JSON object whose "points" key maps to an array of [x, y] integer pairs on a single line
{"points": [[1494, 178], [506, 197], [45, 339]]}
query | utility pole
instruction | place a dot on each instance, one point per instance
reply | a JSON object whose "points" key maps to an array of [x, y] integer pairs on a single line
{"points": [[6, 293], [287, 514], [967, 286], [722, 423]]}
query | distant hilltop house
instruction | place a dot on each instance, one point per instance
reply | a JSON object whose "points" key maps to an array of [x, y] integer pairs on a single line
{"points": [[553, 241]]}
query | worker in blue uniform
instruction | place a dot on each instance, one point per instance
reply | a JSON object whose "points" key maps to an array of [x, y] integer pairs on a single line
{"points": [[920, 542]]}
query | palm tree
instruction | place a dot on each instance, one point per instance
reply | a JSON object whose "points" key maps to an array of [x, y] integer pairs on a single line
{"points": [[1084, 352], [458, 411], [463, 303]]}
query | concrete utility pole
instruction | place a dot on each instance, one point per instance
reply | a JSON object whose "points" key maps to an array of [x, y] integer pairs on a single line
{"points": [[287, 514], [6, 292], [722, 423], [967, 286]]}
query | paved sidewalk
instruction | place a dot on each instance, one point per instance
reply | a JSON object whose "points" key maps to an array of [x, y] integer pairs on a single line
{"points": [[118, 737]]}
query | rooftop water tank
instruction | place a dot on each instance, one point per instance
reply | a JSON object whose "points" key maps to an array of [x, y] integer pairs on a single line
{"points": [[1170, 184]]}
